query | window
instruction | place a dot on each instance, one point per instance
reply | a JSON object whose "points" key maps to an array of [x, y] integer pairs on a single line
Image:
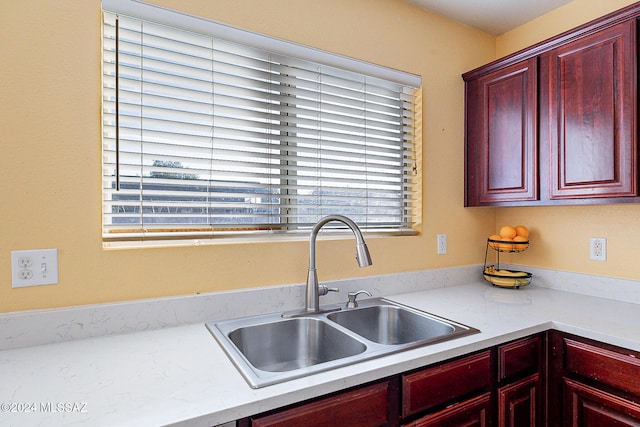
{"points": [[205, 136]]}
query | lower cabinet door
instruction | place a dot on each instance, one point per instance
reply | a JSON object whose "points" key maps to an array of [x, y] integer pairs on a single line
{"points": [[588, 406], [520, 403], [470, 413]]}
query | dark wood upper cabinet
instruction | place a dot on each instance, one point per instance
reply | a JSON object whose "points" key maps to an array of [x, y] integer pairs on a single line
{"points": [[588, 93], [556, 123], [505, 131]]}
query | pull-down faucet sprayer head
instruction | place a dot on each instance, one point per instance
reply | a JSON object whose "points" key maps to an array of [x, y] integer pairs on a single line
{"points": [[362, 254]]}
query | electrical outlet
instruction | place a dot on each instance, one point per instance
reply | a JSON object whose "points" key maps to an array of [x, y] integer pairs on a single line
{"points": [[598, 249], [33, 268], [442, 244]]}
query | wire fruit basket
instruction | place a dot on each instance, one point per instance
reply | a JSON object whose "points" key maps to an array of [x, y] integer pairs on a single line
{"points": [[503, 278]]}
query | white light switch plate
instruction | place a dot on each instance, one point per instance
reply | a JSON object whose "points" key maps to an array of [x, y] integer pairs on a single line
{"points": [[34, 268], [442, 244]]}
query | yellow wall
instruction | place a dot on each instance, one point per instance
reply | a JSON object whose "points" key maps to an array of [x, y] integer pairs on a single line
{"points": [[560, 235], [50, 121], [50, 174]]}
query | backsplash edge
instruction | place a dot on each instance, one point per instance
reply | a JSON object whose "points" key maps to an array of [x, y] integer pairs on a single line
{"points": [[37, 327]]}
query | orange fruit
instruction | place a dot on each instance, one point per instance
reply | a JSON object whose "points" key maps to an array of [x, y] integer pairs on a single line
{"points": [[494, 237], [508, 231], [506, 246], [520, 246], [522, 231]]}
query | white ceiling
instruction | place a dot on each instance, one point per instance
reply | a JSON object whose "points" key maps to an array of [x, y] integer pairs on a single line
{"points": [[492, 16]]}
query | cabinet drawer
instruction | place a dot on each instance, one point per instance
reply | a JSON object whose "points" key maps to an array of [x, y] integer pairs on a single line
{"points": [[444, 383], [605, 366], [366, 406], [473, 413], [519, 357]]}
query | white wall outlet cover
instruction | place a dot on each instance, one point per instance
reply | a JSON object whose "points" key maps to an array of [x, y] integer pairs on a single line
{"points": [[598, 249], [34, 268]]}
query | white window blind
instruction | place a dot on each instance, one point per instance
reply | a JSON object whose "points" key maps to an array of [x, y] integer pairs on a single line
{"points": [[207, 137]]}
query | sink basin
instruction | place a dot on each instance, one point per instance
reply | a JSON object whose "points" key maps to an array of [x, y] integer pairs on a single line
{"points": [[385, 324], [293, 344], [269, 349]]}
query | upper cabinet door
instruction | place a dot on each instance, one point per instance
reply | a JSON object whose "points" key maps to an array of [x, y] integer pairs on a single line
{"points": [[588, 115], [502, 135]]}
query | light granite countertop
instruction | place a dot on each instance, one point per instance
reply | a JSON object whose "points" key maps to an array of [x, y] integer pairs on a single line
{"points": [[180, 375]]}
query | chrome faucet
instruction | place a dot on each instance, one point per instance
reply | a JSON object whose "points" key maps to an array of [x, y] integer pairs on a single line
{"points": [[314, 289]]}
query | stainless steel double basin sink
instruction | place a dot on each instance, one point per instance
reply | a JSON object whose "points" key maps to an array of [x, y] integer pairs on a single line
{"points": [[269, 349]]}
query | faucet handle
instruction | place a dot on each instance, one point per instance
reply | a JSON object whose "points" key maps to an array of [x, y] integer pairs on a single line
{"points": [[324, 289], [352, 303]]}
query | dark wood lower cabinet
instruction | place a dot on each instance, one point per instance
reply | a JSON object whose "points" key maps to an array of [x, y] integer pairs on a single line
{"points": [[455, 393], [521, 367], [550, 379], [592, 384]]}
